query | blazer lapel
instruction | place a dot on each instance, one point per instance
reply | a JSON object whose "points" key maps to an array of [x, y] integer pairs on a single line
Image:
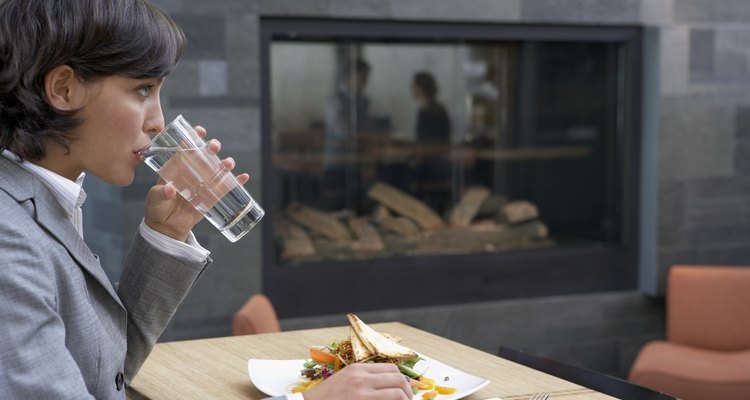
{"points": [[23, 185]]}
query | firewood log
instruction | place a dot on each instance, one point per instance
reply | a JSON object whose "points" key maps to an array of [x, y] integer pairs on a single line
{"points": [[405, 205], [520, 211], [319, 221], [468, 206]]}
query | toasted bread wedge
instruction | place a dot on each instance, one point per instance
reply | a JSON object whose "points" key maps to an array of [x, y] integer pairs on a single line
{"points": [[361, 352], [376, 343]]}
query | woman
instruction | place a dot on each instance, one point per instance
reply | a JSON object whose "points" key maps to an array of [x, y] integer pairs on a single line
{"points": [[433, 123], [79, 94]]}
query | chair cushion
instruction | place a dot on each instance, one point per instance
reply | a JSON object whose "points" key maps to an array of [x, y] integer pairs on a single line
{"points": [[257, 315], [706, 305], [691, 373]]}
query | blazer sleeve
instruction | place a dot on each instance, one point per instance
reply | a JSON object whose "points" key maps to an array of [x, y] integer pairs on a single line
{"points": [[34, 360], [152, 287]]}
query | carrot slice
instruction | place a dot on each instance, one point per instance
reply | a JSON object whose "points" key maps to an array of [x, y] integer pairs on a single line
{"points": [[417, 384], [321, 356], [337, 363]]}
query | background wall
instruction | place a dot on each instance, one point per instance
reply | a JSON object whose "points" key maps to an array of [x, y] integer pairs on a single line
{"points": [[703, 170]]}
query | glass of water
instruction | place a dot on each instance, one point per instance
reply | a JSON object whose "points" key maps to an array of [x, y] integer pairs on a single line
{"points": [[182, 158]]}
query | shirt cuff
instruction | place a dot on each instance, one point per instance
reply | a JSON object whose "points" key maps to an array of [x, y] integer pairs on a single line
{"points": [[189, 250], [294, 396]]}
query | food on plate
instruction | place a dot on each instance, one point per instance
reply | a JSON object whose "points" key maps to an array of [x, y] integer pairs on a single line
{"points": [[377, 344], [365, 344]]}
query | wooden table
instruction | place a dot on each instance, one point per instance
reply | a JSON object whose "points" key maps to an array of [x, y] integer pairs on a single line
{"points": [[217, 368]]}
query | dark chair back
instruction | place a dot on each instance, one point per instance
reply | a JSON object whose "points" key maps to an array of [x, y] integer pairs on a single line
{"points": [[603, 383]]}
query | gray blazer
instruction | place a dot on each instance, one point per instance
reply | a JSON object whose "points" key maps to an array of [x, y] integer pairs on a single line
{"points": [[65, 331]]}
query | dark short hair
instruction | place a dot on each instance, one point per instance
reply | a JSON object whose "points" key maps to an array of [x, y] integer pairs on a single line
{"points": [[426, 83], [362, 67], [96, 38]]}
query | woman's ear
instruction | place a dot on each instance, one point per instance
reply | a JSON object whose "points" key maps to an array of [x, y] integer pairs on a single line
{"points": [[64, 91]]}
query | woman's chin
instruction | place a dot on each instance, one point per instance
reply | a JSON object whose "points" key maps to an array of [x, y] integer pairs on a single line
{"points": [[119, 179]]}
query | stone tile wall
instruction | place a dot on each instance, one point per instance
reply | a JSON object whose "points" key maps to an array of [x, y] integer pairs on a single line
{"points": [[703, 169]]}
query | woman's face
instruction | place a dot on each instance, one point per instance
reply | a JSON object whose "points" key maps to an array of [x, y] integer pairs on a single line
{"points": [[118, 117]]}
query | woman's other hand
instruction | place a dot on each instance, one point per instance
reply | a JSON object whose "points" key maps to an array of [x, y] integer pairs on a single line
{"points": [[363, 382]]}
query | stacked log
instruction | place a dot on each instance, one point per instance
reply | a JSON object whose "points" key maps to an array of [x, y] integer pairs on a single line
{"points": [[405, 204], [402, 225], [469, 205]]}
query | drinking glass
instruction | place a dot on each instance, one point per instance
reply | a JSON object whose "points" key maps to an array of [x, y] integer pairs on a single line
{"points": [[180, 156]]}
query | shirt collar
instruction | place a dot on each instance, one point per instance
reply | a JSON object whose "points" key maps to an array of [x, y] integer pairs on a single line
{"points": [[68, 193]]}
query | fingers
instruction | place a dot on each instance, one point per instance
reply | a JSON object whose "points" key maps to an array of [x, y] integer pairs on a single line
{"points": [[378, 367], [386, 380], [229, 165], [392, 381], [170, 192], [363, 382], [243, 178], [162, 191], [214, 145]]}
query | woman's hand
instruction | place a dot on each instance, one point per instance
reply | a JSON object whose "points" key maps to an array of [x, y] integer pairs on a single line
{"points": [[169, 213], [363, 382]]}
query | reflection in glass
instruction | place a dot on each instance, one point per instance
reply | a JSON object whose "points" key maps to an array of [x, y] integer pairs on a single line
{"points": [[507, 145]]}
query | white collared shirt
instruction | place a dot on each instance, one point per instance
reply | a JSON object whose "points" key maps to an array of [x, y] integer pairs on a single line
{"points": [[71, 196]]}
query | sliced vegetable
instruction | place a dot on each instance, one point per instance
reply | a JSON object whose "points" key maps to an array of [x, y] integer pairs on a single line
{"points": [[321, 356], [305, 386], [409, 362], [337, 363], [430, 395], [426, 380], [445, 389], [313, 384], [417, 384], [408, 371]]}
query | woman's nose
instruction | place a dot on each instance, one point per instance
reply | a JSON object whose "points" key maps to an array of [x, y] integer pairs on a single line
{"points": [[154, 122]]}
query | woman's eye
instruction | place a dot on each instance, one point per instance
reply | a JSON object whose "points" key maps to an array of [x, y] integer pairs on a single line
{"points": [[145, 91]]}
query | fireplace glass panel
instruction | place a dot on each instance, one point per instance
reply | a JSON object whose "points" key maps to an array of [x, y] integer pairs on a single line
{"points": [[388, 148]]}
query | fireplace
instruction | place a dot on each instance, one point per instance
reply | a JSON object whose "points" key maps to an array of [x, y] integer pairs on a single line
{"points": [[416, 163]]}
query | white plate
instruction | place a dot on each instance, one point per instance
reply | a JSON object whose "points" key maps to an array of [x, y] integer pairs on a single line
{"points": [[277, 377]]}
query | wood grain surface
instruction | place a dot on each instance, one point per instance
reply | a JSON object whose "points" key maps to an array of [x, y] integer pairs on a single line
{"points": [[217, 368]]}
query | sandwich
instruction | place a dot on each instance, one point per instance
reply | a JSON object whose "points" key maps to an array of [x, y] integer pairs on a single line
{"points": [[368, 344]]}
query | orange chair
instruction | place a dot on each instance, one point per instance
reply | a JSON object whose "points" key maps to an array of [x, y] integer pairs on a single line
{"points": [[707, 351], [257, 315]]}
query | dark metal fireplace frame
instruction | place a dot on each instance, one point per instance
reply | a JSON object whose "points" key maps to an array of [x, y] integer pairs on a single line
{"points": [[342, 286]]}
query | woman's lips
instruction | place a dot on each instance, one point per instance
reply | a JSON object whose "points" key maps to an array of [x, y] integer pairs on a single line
{"points": [[140, 152], [142, 149]]}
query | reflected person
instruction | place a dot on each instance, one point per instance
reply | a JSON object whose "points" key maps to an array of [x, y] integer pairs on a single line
{"points": [[432, 172], [346, 113]]}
